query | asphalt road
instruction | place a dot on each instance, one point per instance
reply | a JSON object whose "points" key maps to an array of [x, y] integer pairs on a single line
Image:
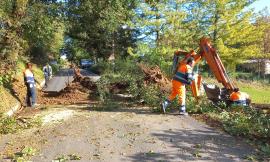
{"points": [[65, 76], [124, 134]]}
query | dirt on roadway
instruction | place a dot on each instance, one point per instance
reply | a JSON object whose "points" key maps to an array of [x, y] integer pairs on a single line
{"points": [[124, 134]]}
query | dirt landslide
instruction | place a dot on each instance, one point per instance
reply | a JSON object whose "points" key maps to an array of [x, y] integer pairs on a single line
{"points": [[75, 93], [78, 91], [19, 90]]}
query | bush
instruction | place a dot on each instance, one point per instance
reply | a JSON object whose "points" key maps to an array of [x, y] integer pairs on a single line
{"points": [[249, 122], [100, 67], [236, 120], [151, 95], [128, 73]]}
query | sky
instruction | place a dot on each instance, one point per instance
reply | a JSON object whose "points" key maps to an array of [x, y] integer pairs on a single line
{"points": [[260, 4]]}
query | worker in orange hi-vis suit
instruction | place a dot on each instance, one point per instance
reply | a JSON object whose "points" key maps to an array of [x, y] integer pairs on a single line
{"points": [[239, 98], [182, 77]]}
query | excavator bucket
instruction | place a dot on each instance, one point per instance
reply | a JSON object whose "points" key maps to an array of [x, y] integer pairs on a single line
{"points": [[213, 92]]}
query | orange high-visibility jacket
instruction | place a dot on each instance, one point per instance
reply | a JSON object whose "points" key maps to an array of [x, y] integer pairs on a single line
{"points": [[183, 73]]}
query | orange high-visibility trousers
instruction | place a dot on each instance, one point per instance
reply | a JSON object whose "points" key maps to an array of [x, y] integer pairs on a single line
{"points": [[179, 89]]}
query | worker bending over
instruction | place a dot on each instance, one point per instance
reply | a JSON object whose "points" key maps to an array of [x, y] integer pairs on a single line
{"points": [[239, 98], [182, 77]]}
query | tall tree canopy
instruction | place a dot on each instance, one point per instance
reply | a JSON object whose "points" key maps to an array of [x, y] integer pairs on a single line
{"points": [[180, 24], [28, 28], [99, 29], [99, 26]]}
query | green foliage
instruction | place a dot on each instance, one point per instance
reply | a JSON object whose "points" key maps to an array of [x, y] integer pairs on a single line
{"points": [[12, 45], [63, 158], [55, 68], [100, 67], [28, 151], [265, 148], [41, 28], [151, 95], [181, 24], [246, 122], [239, 121], [5, 79], [223, 23], [24, 155], [127, 73], [122, 71], [8, 125], [98, 26], [27, 31], [12, 125]]}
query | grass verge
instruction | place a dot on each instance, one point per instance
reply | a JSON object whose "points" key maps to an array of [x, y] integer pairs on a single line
{"points": [[245, 122], [13, 125]]}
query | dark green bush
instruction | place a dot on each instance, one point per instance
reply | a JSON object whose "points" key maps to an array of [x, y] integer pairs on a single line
{"points": [[128, 72], [249, 122]]}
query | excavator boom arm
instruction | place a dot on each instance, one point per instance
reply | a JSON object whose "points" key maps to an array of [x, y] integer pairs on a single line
{"points": [[215, 64]]}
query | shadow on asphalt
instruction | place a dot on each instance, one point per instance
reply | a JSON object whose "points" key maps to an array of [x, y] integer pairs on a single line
{"points": [[193, 145], [137, 109], [122, 104]]}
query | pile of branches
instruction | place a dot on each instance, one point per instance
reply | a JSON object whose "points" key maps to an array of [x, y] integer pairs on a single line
{"points": [[153, 75]]}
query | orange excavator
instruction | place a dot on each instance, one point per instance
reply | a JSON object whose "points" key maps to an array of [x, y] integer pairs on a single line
{"points": [[213, 92]]}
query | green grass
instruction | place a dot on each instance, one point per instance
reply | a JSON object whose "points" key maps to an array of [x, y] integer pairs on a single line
{"points": [[257, 95], [259, 92]]}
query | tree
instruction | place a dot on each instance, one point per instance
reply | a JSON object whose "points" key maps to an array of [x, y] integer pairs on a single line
{"points": [[12, 14], [231, 29], [98, 24], [28, 28], [44, 30], [263, 23]]}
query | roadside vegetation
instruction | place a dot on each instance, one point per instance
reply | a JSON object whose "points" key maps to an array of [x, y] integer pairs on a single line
{"points": [[127, 75], [13, 124], [247, 122]]}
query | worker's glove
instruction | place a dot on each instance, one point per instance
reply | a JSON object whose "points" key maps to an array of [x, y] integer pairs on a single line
{"points": [[189, 82], [190, 78]]}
